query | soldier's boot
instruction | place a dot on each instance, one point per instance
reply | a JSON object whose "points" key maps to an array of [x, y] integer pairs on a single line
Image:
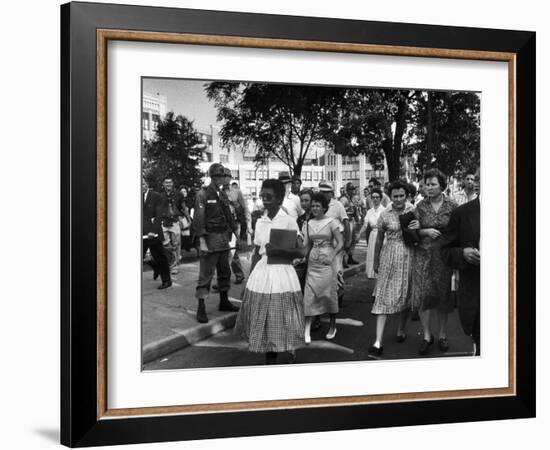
{"points": [[225, 304], [201, 312]]}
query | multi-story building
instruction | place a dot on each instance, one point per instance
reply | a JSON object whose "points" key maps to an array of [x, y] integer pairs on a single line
{"points": [[246, 171], [356, 169], [153, 111]]}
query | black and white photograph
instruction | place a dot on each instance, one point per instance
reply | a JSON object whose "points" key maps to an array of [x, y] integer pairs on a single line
{"points": [[300, 224], [259, 225]]}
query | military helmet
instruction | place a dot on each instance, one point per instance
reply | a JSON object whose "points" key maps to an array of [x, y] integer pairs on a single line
{"points": [[216, 170]]}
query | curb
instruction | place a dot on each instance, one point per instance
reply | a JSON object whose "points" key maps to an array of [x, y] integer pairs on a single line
{"points": [[182, 339]]}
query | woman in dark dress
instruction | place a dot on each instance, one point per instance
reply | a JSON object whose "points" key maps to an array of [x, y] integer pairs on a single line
{"points": [[431, 277]]}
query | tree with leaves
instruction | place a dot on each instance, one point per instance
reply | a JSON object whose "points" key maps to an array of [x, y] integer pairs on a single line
{"points": [[174, 153], [275, 120], [372, 122], [447, 131]]}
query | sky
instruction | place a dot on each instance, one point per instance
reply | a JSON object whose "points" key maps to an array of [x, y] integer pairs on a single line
{"points": [[185, 97]]}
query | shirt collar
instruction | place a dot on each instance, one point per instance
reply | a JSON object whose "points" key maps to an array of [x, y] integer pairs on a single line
{"points": [[279, 214]]}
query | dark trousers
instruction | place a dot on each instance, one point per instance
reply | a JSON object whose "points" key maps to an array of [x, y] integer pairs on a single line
{"points": [[159, 261], [301, 271], [476, 334], [208, 264], [241, 220], [236, 266]]}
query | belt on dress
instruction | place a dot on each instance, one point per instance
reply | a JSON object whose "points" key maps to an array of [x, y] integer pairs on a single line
{"points": [[322, 244]]}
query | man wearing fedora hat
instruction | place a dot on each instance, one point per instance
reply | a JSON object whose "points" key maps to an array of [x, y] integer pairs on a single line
{"points": [[291, 203]]}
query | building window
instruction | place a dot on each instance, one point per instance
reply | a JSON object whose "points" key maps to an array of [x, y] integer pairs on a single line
{"points": [[307, 176], [350, 160], [235, 174], [145, 120], [316, 176], [248, 157], [224, 159], [249, 175], [155, 122]]}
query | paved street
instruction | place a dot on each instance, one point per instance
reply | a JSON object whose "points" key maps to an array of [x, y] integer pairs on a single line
{"points": [[168, 315], [356, 330]]}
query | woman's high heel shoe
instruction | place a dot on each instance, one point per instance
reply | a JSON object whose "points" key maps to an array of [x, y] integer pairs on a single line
{"points": [[331, 333]]}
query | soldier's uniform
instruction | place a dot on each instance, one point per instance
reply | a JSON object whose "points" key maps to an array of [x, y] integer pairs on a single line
{"points": [[213, 222]]}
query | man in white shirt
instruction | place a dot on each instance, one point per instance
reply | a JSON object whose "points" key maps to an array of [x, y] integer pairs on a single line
{"points": [[291, 203], [337, 211], [467, 193]]}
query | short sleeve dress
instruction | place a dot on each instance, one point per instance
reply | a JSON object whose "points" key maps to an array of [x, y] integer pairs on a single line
{"points": [[320, 293], [371, 218], [431, 287], [392, 293], [271, 317]]}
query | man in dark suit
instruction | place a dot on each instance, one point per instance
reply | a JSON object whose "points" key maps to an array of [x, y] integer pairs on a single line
{"points": [[459, 246], [153, 211]]}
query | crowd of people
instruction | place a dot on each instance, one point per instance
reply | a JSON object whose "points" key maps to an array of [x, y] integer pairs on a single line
{"points": [[422, 254]]}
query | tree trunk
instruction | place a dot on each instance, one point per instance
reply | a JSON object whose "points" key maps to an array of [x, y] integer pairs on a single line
{"points": [[392, 147], [298, 168], [430, 125], [392, 160]]}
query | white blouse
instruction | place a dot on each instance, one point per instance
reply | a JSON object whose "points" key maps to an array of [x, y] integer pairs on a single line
{"points": [[372, 216], [281, 221]]}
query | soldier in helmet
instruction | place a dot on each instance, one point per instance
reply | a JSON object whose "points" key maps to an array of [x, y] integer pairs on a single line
{"points": [[213, 225]]}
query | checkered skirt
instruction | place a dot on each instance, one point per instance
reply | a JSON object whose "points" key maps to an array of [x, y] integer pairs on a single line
{"points": [[271, 317]]}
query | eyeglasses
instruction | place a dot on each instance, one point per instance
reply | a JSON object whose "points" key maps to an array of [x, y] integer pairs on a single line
{"points": [[266, 197], [375, 197]]}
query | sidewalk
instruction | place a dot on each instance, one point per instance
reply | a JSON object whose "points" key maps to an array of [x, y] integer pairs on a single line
{"points": [[168, 315]]}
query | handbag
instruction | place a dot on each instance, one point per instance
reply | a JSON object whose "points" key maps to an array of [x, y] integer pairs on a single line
{"points": [[410, 237]]}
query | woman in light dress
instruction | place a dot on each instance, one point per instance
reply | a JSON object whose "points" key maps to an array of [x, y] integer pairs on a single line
{"points": [[323, 242], [371, 227], [392, 263], [271, 318]]}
